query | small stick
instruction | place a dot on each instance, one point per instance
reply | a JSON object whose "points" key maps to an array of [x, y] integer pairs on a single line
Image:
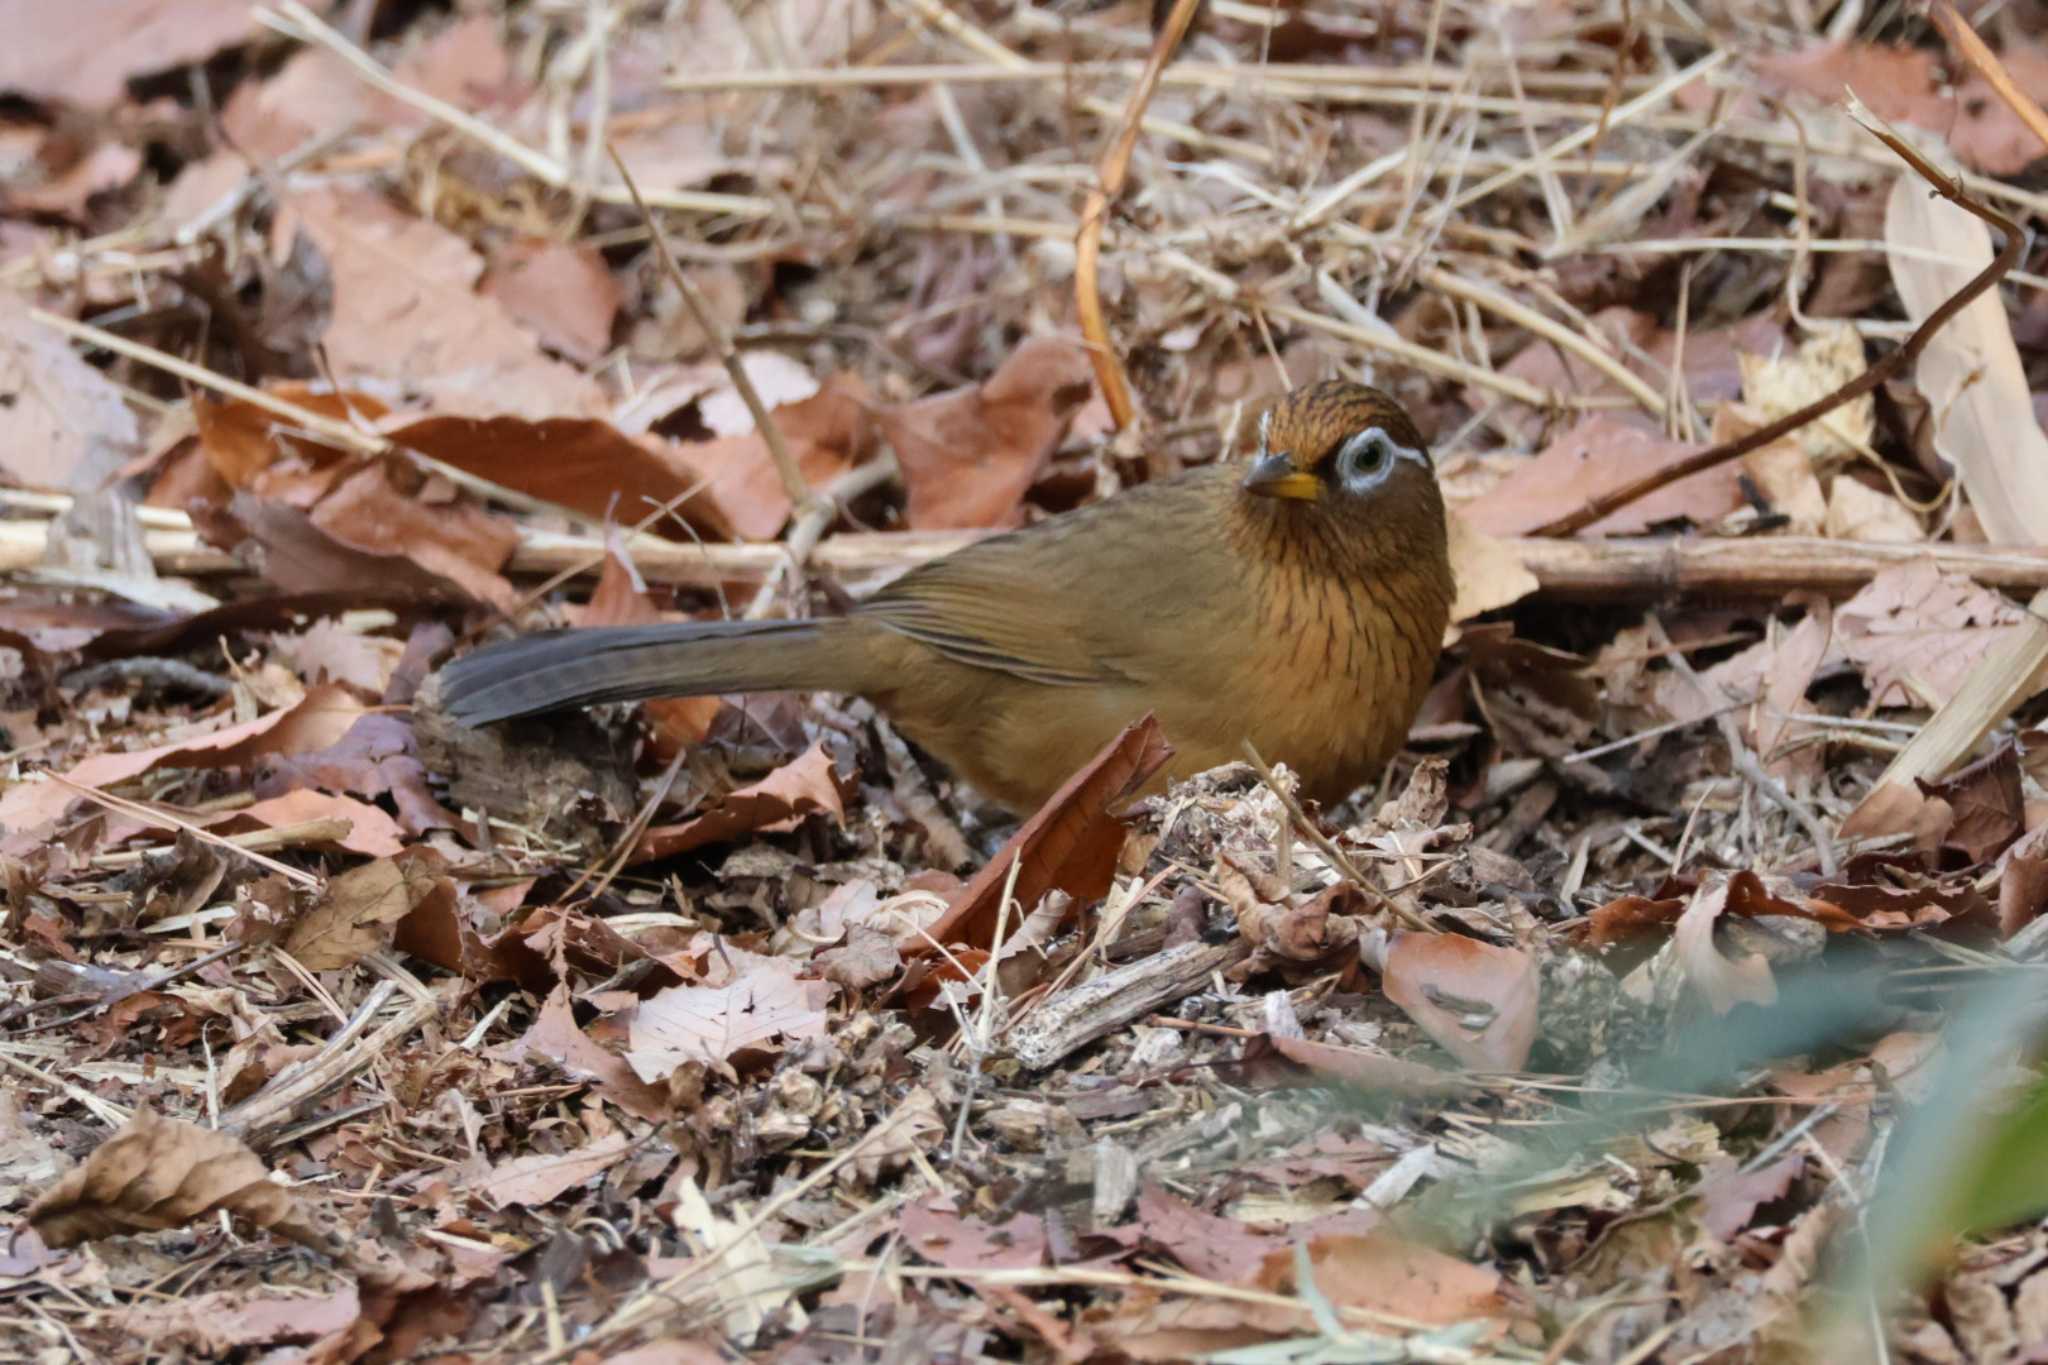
{"points": [[327, 829], [1110, 174], [1614, 569], [165, 820], [1880, 370]]}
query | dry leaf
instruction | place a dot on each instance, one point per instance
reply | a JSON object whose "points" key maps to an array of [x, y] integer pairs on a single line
{"points": [[1918, 634], [1372, 1072], [535, 1180], [1382, 1271], [406, 313], [164, 1173], [63, 424], [1856, 511], [317, 720], [370, 831], [945, 1236], [225, 1325], [1724, 983], [969, 456], [1478, 1001], [298, 554], [1783, 475], [806, 785], [556, 1036], [1970, 374], [827, 434], [315, 97], [86, 54], [1487, 572], [66, 189], [1775, 385], [709, 1024], [562, 292], [242, 441], [1069, 845], [1597, 456], [359, 912], [1709, 359], [1910, 85], [1729, 1197]]}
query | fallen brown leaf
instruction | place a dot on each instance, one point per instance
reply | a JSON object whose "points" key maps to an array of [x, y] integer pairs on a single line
{"points": [[534, 1180], [229, 1322], [969, 456], [161, 1173], [370, 831], [87, 54], [62, 416], [1597, 456], [806, 785], [298, 554], [317, 720], [1069, 845], [1724, 983], [556, 1036], [1910, 85], [560, 291], [406, 312], [359, 912], [709, 1024], [1478, 1001]]}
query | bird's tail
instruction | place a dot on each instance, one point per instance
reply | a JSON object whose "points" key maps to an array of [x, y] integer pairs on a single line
{"points": [[559, 669]]}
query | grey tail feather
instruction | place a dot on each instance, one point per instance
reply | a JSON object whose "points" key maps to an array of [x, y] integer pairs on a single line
{"points": [[559, 669]]}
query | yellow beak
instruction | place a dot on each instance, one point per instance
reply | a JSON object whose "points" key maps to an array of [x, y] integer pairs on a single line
{"points": [[1274, 476]]}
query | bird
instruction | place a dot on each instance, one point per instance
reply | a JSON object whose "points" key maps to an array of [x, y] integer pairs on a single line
{"points": [[1297, 602]]}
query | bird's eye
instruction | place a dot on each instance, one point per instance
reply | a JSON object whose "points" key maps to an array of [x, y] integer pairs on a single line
{"points": [[1364, 459]]}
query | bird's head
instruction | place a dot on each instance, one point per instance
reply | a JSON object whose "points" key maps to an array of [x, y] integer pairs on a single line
{"points": [[1346, 449]]}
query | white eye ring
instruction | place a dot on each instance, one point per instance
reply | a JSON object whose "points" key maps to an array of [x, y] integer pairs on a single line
{"points": [[1365, 459]]}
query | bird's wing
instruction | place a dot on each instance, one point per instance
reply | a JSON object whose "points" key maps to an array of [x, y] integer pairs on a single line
{"points": [[1071, 602]]}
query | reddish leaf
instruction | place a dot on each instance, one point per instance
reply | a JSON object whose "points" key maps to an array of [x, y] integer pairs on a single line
{"points": [[1910, 85], [969, 456], [319, 718], [1625, 918], [1070, 845], [556, 1036], [946, 1237], [406, 312], [241, 441], [85, 54], [1476, 1000], [59, 410], [561, 291], [803, 786], [1729, 1200], [1362, 1068], [1594, 457], [370, 831]]}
